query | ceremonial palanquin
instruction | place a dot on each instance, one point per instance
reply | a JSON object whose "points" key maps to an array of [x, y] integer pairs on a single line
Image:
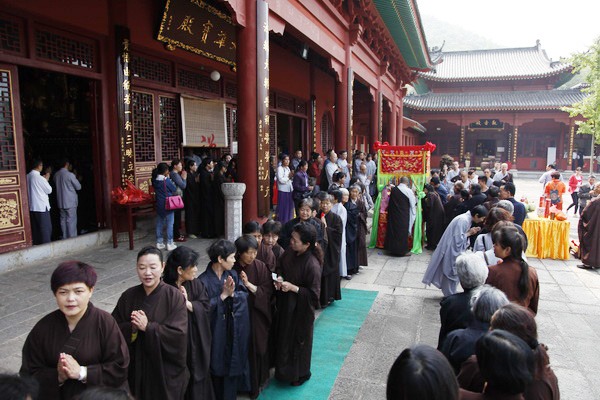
{"points": [[394, 162]]}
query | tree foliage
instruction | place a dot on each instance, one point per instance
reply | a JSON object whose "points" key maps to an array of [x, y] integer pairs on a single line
{"points": [[589, 107]]}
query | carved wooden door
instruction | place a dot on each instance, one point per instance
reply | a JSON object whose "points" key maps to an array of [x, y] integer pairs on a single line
{"points": [[15, 231]]}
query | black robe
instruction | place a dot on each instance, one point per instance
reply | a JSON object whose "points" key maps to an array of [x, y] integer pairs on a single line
{"points": [[206, 204], [230, 328], [288, 228], [158, 368], [396, 237], [219, 205], [589, 234], [191, 200], [260, 307], [351, 237], [433, 214], [96, 343], [266, 255], [277, 251], [330, 277], [296, 315], [199, 342], [361, 241]]}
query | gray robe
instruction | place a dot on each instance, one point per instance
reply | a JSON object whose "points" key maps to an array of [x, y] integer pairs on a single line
{"points": [[441, 271]]}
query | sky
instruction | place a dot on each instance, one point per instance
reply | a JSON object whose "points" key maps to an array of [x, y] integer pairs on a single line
{"points": [[563, 27]]}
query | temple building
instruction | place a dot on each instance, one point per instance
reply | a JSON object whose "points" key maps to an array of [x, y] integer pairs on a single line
{"points": [[499, 105], [118, 86]]}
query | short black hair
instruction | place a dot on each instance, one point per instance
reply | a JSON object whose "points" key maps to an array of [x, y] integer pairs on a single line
{"points": [[505, 361], [246, 242], [220, 248], [429, 187], [15, 387], [150, 250], [510, 187], [421, 372], [251, 227], [337, 195], [342, 152], [555, 175], [435, 180], [465, 194], [63, 161], [493, 191], [183, 257], [271, 227], [104, 393], [482, 178], [301, 164], [73, 272], [480, 211], [475, 188], [36, 163]]}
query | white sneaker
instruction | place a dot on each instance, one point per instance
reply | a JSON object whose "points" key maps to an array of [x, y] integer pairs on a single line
{"points": [[171, 246], [160, 246]]}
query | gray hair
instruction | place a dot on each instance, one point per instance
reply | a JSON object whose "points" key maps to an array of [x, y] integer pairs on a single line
{"points": [[355, 187], [485, 301], [471, 269], [506, 205], [344, 191], [307, 202]]}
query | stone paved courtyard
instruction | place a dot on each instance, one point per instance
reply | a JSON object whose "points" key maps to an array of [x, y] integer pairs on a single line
{"points": [[404, 313]]}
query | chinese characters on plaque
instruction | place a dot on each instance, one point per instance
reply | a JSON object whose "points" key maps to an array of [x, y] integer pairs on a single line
{"points": [[202, 27], [487, 124], [125, 117]]}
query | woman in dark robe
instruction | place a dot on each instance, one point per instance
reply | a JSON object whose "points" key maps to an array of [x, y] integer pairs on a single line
{"points": [[180, 272], [206, 199], [77, 346], [433, 214], [232, 174], [219, 199], [191, 200], [258, 280], [229, 322], [396, 237], [271, 230], [264, 252], [298, 284], [304, 215], [351, 233], [154, 321], [356, 197], [330, 277]]}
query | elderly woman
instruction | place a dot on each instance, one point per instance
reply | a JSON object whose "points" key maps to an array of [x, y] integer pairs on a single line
{"points": [[460, 344], [153, 319], [455, 311], [421, 372], [77, 346], [304, 215], [180, 272], [519, 321]]}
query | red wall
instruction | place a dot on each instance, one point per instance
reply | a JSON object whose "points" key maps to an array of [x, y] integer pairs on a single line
{"points": [[289, 73]]}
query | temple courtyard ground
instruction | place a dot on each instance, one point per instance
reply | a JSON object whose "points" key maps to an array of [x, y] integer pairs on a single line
{"points": [[403, 313]]}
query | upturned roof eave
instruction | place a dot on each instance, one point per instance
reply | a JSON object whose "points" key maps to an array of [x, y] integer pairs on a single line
{"points": [[429, 77]]}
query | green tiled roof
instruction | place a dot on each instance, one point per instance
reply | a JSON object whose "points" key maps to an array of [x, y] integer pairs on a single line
{"points": [[404, 23]]}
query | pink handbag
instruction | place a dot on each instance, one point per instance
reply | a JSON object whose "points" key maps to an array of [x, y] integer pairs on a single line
{"points": [[173, 202]]}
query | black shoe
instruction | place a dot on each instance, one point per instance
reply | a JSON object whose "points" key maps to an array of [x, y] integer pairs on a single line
{"points": [[583, 266]]}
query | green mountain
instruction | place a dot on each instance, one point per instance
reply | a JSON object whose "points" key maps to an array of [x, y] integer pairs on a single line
{"points": [[456, 37]]}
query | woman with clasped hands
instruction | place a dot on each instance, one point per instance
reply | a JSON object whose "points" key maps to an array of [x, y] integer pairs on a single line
{"points": [[77, 346]]}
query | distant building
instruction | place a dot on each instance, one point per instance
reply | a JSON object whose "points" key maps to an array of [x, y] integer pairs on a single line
{"points": [[499, 105]]}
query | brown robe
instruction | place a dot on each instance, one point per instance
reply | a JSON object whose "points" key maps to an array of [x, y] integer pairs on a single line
{"points": [[277, 250], [296, 315], [260, 307], [330, 277], [96, 343], [158, 368], [546, 388], [362, 233], [266, 255], [199, 342], [589, 234], [433, 214], [505, 276]]}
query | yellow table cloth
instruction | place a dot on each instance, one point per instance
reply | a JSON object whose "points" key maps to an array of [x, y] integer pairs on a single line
{"points": [[547, 238]]}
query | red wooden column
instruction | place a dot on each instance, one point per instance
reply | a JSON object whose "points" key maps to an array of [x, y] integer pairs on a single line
{"points": [[400, 123], [374, 132], [392, 133], [246, 114], [341, 110]]}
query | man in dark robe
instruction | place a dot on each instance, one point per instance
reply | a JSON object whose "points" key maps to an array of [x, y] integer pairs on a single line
{"points": [[589, 233], [191, 201], [230, 327], [158, 368], [351, 237], [260, 292], [199, 342], [399, 210], [433, 214], [296, 315], [96, 343], [206, 199], [330, 277]]}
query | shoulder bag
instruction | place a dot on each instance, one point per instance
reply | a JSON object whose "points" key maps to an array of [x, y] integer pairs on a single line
{"points": [[172, 202]]}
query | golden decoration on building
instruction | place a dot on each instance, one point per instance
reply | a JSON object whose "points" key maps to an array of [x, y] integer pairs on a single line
{"points": [[9, 213]]}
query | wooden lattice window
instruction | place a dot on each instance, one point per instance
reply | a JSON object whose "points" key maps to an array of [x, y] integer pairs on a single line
{"points": [[11, 35], [196, 81], [8, 153], [151, 70], [59, 48], [231, 90], [143, 126], [169, 128], [301, 107], [285, 103], [326, 133]]}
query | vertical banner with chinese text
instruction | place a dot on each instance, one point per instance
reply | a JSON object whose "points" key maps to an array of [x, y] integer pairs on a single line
{"points": [[124, 115], [262, 106], [350, 133]]}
